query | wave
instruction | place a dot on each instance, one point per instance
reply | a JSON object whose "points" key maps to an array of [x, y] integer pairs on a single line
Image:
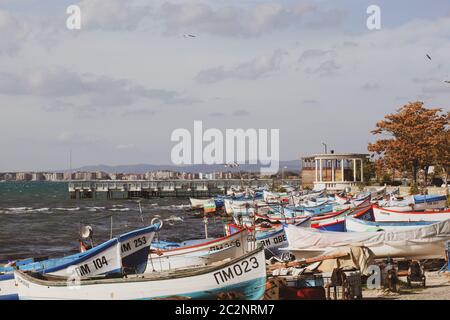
{"points": [[120, 209], [68, 209], [20, 209]]}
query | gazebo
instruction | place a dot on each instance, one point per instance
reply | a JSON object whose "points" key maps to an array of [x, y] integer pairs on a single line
{"points": [[333, 171]]}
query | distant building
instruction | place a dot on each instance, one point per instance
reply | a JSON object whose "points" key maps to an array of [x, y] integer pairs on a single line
{"points": [[9, 176], [100, 175], [333, 171], [23, 176], [116, 176], [38, 176], [58, 176], [133, 176], [68, 176], [86, 176]]}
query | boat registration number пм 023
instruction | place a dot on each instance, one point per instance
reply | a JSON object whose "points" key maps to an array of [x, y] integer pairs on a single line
{"points": [[236, 270]]}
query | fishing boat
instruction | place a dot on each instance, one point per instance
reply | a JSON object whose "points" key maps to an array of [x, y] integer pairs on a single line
{"points": [[386, 214], [336, 221], [199, 203], [127, 253], [316, 207], [241, 278], [415, 203], [358, 225], [275, 197], [200, 252], [425, 242], [286, 219]]}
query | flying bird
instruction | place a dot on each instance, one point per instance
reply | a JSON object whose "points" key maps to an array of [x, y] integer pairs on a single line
{"points": [[447, 81], [428, 56], [190, 36]]}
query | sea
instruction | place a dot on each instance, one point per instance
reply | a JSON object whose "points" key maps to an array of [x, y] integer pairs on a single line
{"points": [[38, 219]]}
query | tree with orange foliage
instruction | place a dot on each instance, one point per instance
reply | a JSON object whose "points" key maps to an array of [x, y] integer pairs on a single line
{"points": [[414, 138]]}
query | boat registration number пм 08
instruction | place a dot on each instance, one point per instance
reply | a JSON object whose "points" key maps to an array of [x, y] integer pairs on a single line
{"points": [[236, 270]]}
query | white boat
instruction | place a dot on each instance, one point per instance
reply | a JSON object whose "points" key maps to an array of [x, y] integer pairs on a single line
{"points": [[199, 203], [241, 278], [426, 242], [127, 253], [188, 260], [202, 253], [359, 225], [415, 203], [385, 214]]}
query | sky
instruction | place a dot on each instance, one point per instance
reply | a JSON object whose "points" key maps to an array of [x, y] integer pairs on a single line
{"points": [[115, 90]]}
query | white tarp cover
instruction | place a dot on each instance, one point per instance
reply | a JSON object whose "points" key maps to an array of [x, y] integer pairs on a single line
{"points": [[358, 257], [304, 238]]}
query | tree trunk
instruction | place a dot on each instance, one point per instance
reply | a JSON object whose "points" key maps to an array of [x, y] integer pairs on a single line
{"points": [[414, 172], [426, 175]]}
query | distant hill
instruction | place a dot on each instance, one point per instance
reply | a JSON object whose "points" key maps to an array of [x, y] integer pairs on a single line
{"points": [[293, 165]]}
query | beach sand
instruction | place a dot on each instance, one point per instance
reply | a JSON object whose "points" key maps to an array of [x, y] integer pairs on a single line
{"points": [[437, 288]]}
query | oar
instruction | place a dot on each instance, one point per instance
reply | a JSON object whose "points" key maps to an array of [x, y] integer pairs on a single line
{"points": [[306, 261]]}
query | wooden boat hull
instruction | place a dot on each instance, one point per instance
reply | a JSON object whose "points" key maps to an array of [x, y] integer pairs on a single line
{"points": [[242, 278], [386, 214], [189, 260], [8, 287], [426, 242], [126, 253], [336, 222], [199, 203], [415, 252], [206, 252], [358, 225]]}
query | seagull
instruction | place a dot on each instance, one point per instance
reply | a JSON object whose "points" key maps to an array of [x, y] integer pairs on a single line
{"points": [[428, 56], [447, 81], [190, 35]]}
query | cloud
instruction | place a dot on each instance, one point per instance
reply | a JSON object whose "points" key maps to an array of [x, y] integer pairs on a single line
{"points": [[250, 70], [325, 69], [58, 106], [217, 114], [241, 113], [313, 53], [111, 15], [231, 20], [370, 86], [100, 91], [76, 138], [139, 112], [125, 146], [310, 102], [12, 33], [443, 88]]}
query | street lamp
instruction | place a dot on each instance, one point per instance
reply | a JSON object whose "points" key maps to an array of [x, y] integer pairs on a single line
{"points": [[325, 145], [282, 174]]}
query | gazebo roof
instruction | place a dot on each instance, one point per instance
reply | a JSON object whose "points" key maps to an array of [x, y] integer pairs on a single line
{"points": [[338, 156]]}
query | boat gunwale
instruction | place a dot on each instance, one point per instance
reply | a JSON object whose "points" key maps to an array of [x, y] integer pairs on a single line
{"points": [[156, 276], [374, 206], [202, 244]]}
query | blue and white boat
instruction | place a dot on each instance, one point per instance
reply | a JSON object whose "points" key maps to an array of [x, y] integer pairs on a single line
{"points": [[125, 254], [242, 278], [415, 203], [358, 225]]}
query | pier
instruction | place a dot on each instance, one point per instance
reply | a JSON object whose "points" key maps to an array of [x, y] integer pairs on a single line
{"points": [[128, 189]]}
